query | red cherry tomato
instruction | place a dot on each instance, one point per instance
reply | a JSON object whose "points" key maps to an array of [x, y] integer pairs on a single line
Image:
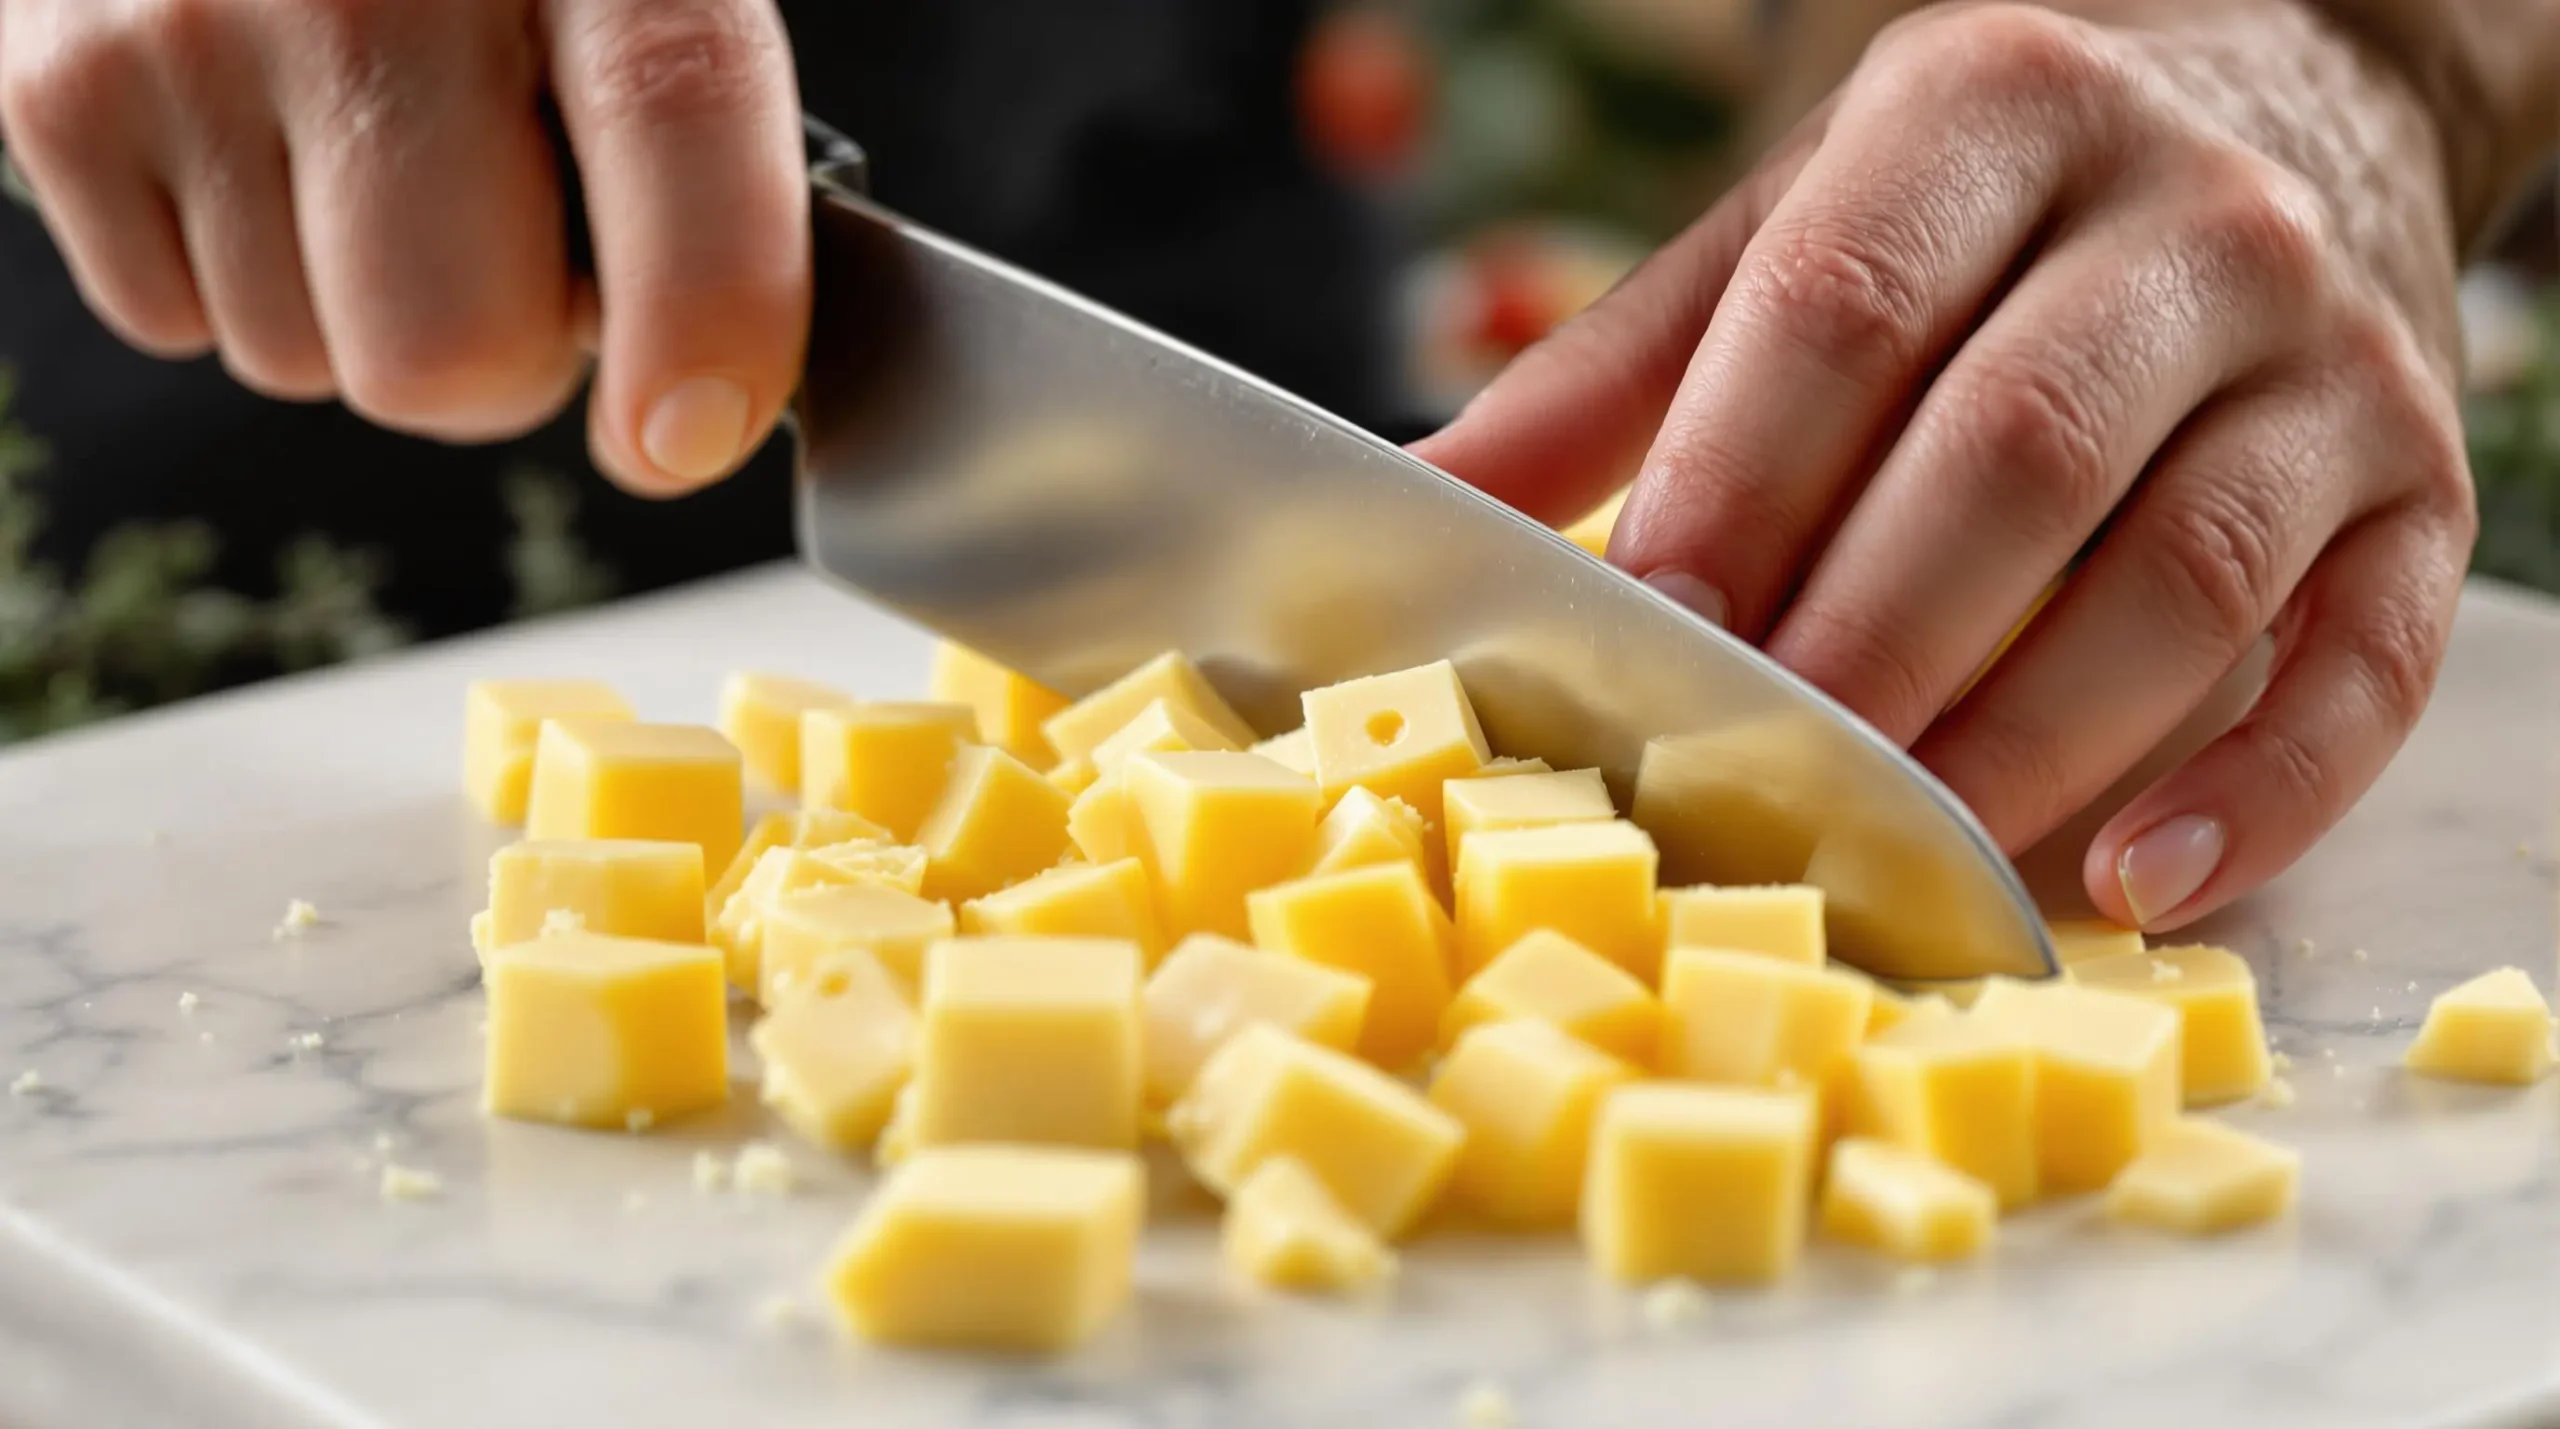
{"points": [[1363, 83]]}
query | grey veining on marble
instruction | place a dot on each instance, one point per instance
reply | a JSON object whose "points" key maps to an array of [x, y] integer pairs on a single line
{"points": [[190, 1231]]}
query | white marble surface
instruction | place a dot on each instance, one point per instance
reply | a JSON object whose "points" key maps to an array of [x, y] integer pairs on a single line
{"points": [[190, 1232]]}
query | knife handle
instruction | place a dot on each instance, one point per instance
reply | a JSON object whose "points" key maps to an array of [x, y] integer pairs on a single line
{"points": [[836, 165]]}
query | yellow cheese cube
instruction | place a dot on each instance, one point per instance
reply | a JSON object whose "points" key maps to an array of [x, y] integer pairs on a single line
{"points": [[1521, 801], [1294, 750], [618, 779], [1029, 1039], [1081, 727], [805, 829], [1018, 1248], [1893, 1008], [2081, 940], [898, 866], [2224, 1056], [1099, 821], [589, 1030], [2494, 1028], [805, 929], [1072, 777], [1895, 1200], [1363, 828], [1401, 735], [1107, 900], [760, 714], [837, 1049], [1552, 978], [1780, 921], [2106, 1075], [1525, 1092], [996, 824], [1163, 727], [738, 931], [1284, 1229], [1757, 1020], [1382, 1150], [2201, 1178], [1591, 882], [630, 888], [1210, 987], [887, 762], [500, 723], [1010, 708], [1957, 1089], [1214, 826], [1592, 532], [1381, 923], [1705, 1183]]}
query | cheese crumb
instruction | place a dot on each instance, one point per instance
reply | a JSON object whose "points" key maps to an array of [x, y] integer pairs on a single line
{"points": [[298, 916], [2162, 971], [382, 1142], [639, 1119], [205, 1037], [563, 920], [2524, 850], [2277, 1093], [710, 1173], [1486, 1405], [306, 1041], [763, 1170], [2413, 984], [27, 1083], [779, 1311], [2359, 954], [2377, 1012], [2280, 1061], [1913, 1279], [2305, 947], [2338, 1070], [189, 1002], [1673, 1303], [634, 1200], [407, 1183]]}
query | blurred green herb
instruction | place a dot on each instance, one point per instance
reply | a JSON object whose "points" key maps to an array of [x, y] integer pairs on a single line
{"points": [[551, 567], [2515, 458]]}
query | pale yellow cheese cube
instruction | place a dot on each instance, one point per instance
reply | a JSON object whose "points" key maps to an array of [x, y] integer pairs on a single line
{"points": [[804, 829], [1382, 1150], [1213, 826], [1381, 923], [1759, 1020], [1401, 735], [590, 1030], [2224, 1045], [619, 779], [631, 888], [500, 723], [1363, 828], [738, 931], [1294, 750], [1591, 882], [2106, 1075], [898, 866], [1072, 777], [806, 928], [1107, 900], [2081, 940], [760, 714], [1520, 801], [1078, 729], [1010, 708], [837, 1049], [887, 762], [1552, 978], [1015, 1248], [997, 823], [1525, 1092], [1210, 987], [1099, 822], [1284, 1229], [1163, 727], [2494, 1028], [1956, 1089], [1699, 1182], [1592, 532], [1895, 1200], [1893, 1008], [2201, 1178], [1778, 920], [1028, 1040]]}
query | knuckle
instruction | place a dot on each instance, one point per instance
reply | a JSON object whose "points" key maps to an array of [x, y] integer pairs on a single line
{"points": [[2412, 409], [2294, 774], [2267, 226], [1843, 293], [2042, 448], [2215, 557], [2396, 649], [675, 64], [432, 372], [55, 96], [2010, 54]]}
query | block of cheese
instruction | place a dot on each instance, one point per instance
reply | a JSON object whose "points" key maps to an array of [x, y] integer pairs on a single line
{"points": [[837, 1049], [1779, 920], [1592, 882], [1520, 801], [1400, 735], [1893, 1008], [1105, 900], [1526, 1093], [1017, 1248], [1213, 826], [1076, 731], [1294, 750], [760, 714], [1552, 978], [1381, 923], [886, 762], [2081, 940], [996, 824], [1010, 708], [738, 930], [620, 779], [898, 866], [2200, 1178], [591, 1030], [1028, 1040], [1163, 727], [1382, 1150], [1072, 777], [1758, 1020], [804, 829], [500, 723], [2494, 1028], [2106, 1074], [1698, 1182], [1099, 821], [1956, 1089], [631, 888], [1363, 828], [1210, 987], [2224, 1045], [1893, 1199], [805, 928], [1284, 1229]]}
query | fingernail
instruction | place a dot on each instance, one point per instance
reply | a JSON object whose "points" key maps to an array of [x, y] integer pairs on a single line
{"points": [[2165, 866], [698, 430], [1702, 598]]}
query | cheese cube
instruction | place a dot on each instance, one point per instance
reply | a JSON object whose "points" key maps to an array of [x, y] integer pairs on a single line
{"points": [[1401, 735], [1010, 708], [2106, 1075], [1699, 1182], [1779, 921], [1591, 882], [1214, 826], [1073, 776], [1757, 1020], [1893, 1008], [898, 866], [1284, 1229], [1017, 1248], [1163, 727], [500, 723], [2082, 940], [1552, 978], [2494, 1028], [1521, 801], [1382, 1150], [2201, 1178], [1592, 532], [1525, 1092], [1029, 1040], [1099, 822], [1109, 900], [1294, 750], [1363, 828], [738, 931], [1078, 729], [1381, 923], [630, 888], [805, 929], [590, 1030], [618, 779], [1209, 988], [1956, 1089], [887, 762], [2224, 1046], [805, 829], [1895, 1200], [996, 824], [837, 1049], [761, 715]]}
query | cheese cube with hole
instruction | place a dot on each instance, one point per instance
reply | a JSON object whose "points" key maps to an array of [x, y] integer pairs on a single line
{"points": [[1591, 882], [2494, 1028], [2106, 1074], [631, 888], [1364, 828], [591, 1030], [1525, 1092], [1778, 920], [837, 1049], [997, 824], [887, 762], [1013, 1248], [1758, 1020], [1210, 987], [2082, 940], [1284, 1229], [1893, 1199], [2202, 1178], [760, 714], [1382, 1150], [1010, 708], [1213, 826], [1381, 923], [1521, 801], [1957, 1089], [620, 779], [1076, 731], [1552, 978], [898, 866], [804, 829], [1401, 735], [1698, 1182], [1893, 1008], [2223, 1044], [1029, 1040], [1099, 822], [1106, 900], [501, 723], [805, 929], [1294, 750], [1163, 727]]}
